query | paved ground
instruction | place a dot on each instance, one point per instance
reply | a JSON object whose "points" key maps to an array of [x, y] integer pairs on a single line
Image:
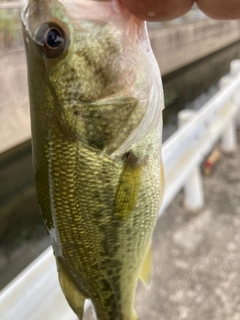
{"points": [[196, 256], [196, 260]]}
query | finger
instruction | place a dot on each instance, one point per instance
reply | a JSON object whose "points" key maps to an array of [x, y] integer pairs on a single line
{"points": [[220, 9], [158, 10]]}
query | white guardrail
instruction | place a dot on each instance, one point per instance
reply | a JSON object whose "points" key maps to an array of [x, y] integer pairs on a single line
{"points": [[35, 293]]}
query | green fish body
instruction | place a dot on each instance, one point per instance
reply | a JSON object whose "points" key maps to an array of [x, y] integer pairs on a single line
{"points": [[96, 104]]}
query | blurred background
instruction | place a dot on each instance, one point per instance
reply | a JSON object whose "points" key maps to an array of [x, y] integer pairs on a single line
{"points": [[193, 53]]}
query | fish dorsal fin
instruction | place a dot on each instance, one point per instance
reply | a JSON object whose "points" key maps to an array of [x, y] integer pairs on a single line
{"points": [[145, 274], [74, 297]]}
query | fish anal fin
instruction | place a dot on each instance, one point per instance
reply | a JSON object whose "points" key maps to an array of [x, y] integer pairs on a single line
{"points": [[129, 185], [145, 274], [74, 297]]}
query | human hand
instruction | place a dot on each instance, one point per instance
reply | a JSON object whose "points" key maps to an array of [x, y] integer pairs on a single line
{"points": [[162, 10]]}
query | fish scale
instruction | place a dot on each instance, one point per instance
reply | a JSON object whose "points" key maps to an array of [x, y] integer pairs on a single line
{"points": [[72, 214], [72, 229]]}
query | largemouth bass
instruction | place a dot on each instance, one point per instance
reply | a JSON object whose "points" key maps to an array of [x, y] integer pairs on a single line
{"points": [[96, 108]]}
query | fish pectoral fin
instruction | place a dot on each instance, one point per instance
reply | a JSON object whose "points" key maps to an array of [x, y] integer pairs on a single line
{"points": [[145, 274], [129, 185], [74, 297]]}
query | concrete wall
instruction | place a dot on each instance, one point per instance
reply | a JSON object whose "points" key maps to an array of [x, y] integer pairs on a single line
{"points": [[178, 45], [14, 110]]}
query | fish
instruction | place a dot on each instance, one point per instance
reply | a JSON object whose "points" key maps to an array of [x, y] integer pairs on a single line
{"points": [[96, 103]]}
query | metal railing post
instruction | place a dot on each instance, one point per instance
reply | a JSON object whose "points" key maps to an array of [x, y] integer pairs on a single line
{"points": [[229, 137], [234, 70], [193, 187]]}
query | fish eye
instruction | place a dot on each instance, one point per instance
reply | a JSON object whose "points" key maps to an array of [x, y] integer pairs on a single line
{"points": [[52, 40]]}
